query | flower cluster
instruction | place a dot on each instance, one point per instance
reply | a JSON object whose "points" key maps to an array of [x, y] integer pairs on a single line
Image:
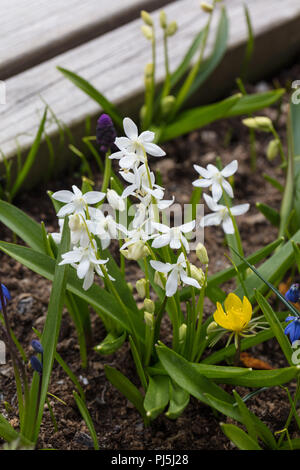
{"points": [[211, 177]]}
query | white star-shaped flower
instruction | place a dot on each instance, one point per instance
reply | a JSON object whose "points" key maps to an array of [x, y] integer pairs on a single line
{"points": [[172, 236], [221, 214], [133, 146], [75, 201], [214, 178], [177, 274]]}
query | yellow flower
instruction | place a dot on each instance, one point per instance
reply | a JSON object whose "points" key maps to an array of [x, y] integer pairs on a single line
{"points": [[237, 314]]}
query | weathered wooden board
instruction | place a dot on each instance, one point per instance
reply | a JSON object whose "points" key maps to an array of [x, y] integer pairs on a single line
{"points": [[114, 64], [36, 30]]}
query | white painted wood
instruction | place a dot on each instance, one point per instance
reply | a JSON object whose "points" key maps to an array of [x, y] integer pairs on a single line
{"points": [[35, 30], [114, 64]]}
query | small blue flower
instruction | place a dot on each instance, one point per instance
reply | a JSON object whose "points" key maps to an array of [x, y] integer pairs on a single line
{"points": [[37, 346], [36, 364], [105, 133], [6, 295], [293, 294], [293, 329]]}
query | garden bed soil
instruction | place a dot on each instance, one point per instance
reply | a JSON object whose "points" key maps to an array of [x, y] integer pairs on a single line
{"points": [[117, 423]]}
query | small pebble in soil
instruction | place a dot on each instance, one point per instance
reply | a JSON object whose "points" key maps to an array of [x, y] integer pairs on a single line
{"points": [[84, 380], [24, 305], [83, 439]]}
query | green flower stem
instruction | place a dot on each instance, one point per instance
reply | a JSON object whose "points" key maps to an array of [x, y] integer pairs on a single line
{"points": [[193, 73], [107, 173], [123, 307], [174, 316], [159, 319], [196, 354], [147, 278], [280, 147], [191, 318], [290, 416], [166, 88]]}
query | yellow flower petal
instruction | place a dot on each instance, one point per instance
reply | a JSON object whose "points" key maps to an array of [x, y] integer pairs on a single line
{"points": [[247, 309], [232, 301]]}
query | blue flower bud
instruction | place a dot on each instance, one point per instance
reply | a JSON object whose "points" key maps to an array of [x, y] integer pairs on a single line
{"points": [[37, 346], [293, 294], [105, 133], [36, 364], [6, 295]]}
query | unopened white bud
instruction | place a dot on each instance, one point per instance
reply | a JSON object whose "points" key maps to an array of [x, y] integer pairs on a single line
{"points": [[202, 253], [171, 28], [75, 222], [273, 149], [261, 123], [211, 327], [163, 19], [182, 332], [116, 201], [141, 287], [198, 274], [149, 319], [146, 17], [147, 32], [136, 251], [158, 279], [149, 305], [207, 7]]}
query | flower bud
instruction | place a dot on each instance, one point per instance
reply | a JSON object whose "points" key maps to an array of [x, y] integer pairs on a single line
{"points": [[136, 251], [146, 17], [202, 253], [141, 287], [149, 319], [198, 274], [105, 133], [116, 201], [163, 19], [182, 332], [36, 364], [171, 28], [5, 294], [75, 222], [149, 305], [273, 149], [293, 294], [167, 104], [158, 279], [37, 346], [261, 123], [206, 7], [211, 327], [130, 286], [147, 32]]}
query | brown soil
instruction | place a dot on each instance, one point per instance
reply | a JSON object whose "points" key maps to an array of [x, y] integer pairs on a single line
{"points": [[117, 423]]}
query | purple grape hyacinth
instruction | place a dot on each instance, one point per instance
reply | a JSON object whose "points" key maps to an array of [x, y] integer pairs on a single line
{"points": [[293, 329], [105, 133]]}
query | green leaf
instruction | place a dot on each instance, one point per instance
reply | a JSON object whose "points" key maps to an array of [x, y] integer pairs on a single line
{"points": [[157, 395], [118, 380], [220, 372], [216, 56], [196, 118], [246, 416], [179, 399], [95, 296], [242, 440], [29, 159], [275, 324], [38, 394], [250, 103], [22, 225], [264, 378], [270, 214], [184, 374], [111, 343], [87, 419], [7, 432], [87, 88], [295, 444]]}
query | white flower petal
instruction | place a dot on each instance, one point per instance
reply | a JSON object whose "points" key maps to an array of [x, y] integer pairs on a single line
{"points": [[230, 169], [89, 279], [210, 219], [63, 196], [161, 241], [92, 197], [240, 209], [66, 210], [161, 267], [202, 171], [188, 227], [213, 206], [147, 136], [130, 128], [83, 268], [227, 225], [227, 187], [189, 280], [154, 150], [202, 183], [216, 192], [172, 283]]}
